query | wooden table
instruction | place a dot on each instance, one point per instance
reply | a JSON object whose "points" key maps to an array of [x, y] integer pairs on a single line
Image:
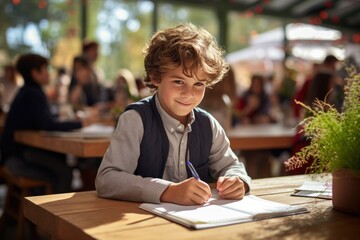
{"points": [[80, 147], [83, 215], [255, 137], [241, 138]]}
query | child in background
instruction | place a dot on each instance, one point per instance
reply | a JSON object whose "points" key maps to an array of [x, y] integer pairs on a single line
{"points": [[81, 76], [156, 137], [30, 111]]}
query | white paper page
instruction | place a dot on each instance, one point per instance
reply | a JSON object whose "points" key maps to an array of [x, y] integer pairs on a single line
{"points": [[314, 190], [258, 207], [219, 212], [312, 194], [202, 214], [315, 186]]}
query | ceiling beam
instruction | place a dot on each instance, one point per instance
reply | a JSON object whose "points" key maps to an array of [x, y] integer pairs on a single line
{"points": [[287, 15]]}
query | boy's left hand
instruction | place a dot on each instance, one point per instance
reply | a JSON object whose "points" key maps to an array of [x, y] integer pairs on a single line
{"points": [[230, 187]]}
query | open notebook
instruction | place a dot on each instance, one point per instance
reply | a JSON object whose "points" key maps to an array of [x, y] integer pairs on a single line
{"points": [[219, 212]]}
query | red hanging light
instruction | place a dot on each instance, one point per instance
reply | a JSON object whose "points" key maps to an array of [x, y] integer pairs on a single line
{"points": [[356, 38], [42, 4], [324, 15], [328, 4], [16, 2], [259, 9], [335, 19], [315, 20]]}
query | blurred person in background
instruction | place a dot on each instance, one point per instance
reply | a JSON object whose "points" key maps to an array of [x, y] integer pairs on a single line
{"points": [[328, 66], [81, 104], [123, 92], [80, 77], [219, 101], [301, 93], [142, 89], [62, 83], [61, 99], [254, 106], [94, 89], [30, 111], [8, 87], [320, 88]]}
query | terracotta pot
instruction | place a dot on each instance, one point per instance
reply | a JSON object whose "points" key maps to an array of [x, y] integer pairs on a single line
{"points": [[346, 191]]}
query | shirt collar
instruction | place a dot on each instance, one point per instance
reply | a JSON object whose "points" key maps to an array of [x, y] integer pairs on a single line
{"points": [[170, 123]]}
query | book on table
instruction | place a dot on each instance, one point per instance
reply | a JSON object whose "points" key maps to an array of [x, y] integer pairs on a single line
{"points": [[219, 212], [314, 189]]}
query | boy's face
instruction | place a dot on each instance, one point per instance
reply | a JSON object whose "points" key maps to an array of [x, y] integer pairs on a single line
{"points": [[41, 76], [179, 94]]}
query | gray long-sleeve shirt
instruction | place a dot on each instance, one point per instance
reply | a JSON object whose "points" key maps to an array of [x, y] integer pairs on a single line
{"points": [[116, 179]]}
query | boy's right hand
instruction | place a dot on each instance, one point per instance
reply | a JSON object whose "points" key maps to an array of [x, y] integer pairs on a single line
{"points": [[188, 192]]}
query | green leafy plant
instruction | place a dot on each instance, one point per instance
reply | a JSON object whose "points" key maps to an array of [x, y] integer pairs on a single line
{"points": [[334, 136]]}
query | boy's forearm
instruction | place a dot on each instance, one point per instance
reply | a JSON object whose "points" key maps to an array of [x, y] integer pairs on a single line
{"points": [[128, 187]]}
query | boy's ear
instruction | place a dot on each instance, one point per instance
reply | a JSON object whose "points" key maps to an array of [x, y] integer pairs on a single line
{"points": [[155, 82]]}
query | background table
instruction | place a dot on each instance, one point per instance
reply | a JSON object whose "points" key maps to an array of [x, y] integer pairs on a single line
{"points": [[256, 137], [83, 215], [80, 147], [241, 138]]}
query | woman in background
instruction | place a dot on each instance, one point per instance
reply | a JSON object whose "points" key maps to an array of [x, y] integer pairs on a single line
{"points": [[254, 106]]}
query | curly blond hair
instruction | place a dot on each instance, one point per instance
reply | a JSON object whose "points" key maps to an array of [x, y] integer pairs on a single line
{"points": [[187, 46]]}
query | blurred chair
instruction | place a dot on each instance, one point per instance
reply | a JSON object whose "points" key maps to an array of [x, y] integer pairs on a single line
{"points": [[17, 189]]}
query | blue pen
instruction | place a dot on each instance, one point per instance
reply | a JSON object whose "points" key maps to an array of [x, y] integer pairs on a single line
{"points": [[191, 167]]}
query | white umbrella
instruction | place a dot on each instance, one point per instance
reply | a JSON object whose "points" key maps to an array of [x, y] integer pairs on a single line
{"points": [[306, 41]]}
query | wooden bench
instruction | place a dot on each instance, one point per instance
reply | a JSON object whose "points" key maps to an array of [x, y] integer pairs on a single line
{"points": [[17, 189]]}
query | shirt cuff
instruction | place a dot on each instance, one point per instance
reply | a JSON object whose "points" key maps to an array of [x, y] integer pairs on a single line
{"points": [[154, 189]]}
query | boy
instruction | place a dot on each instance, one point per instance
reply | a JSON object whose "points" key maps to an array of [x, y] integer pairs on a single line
{"points": [[147, 157], [30, 111]]}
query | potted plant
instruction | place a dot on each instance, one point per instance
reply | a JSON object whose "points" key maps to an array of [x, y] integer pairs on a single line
{"points": [[335, 145]]}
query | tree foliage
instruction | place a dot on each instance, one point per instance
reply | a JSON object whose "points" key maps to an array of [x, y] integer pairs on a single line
{"points": [[122, 27], [49, 17]]}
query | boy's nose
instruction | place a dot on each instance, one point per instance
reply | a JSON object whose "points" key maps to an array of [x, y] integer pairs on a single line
{"points": [[187, 91]]}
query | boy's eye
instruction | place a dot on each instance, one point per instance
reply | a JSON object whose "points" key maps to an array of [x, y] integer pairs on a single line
{"points": [[178, 82], [199, 84]]}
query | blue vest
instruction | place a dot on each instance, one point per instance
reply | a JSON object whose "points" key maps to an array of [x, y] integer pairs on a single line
{"points": [[154, 147]]}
